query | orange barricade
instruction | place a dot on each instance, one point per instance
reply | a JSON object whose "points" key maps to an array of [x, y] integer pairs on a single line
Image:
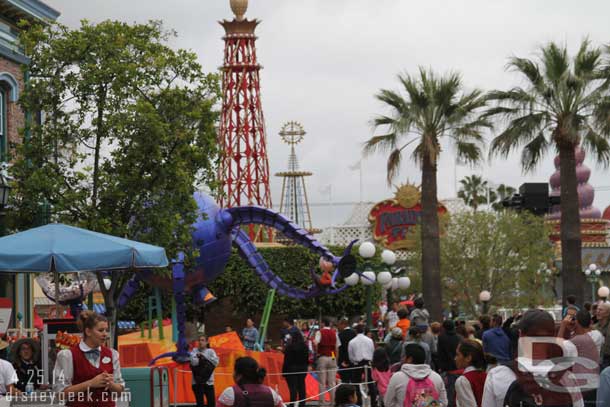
{"points": [[228, 347]]}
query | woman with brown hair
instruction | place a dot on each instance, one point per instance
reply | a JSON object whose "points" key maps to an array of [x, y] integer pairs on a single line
{"points": [[89, 372]]}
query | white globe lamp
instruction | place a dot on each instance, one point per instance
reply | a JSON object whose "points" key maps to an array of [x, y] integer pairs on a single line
{"points": [[368, 278], [384, 277], [388, 257], [395, 283], [404, 283], [484, 296], [587, 272], [352, 279], [367, 250], [603, 292]]}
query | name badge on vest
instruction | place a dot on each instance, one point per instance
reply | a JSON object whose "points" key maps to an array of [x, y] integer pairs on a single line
{"points": [[106, 360]]}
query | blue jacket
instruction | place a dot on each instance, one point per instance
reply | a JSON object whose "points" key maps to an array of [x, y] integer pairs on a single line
{"points": [[497, 343]]}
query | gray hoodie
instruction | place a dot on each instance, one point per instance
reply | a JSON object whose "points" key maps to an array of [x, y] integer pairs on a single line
{"points": [[395, 395]]}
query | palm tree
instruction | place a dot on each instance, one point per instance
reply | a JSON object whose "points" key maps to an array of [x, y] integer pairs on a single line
{"points": [[475, 191], [502, 192], [435, 108], [564, 104]]}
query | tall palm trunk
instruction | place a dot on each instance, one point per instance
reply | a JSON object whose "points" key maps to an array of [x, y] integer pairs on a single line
{"points": [[431, 249], [573, 280]]}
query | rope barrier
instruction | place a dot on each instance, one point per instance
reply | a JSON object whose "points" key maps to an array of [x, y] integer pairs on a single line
{"points": [[327, 391], [289, 373]]}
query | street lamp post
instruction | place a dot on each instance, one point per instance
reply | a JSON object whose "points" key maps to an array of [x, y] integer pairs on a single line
{"points": [[367, 252], [5, 190], [592, 273], [545, 272], [484, 297], [368, 276]]}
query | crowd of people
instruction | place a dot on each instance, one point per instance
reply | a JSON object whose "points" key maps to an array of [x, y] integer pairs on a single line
{"points": [[528, 359]]}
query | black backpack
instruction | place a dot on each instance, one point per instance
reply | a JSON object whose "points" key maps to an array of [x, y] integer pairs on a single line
{"points": [[516, 396], [202, 371]]}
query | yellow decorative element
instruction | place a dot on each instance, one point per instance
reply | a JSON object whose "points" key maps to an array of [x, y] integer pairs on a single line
{"points": [[408, 195], [239, 8]]}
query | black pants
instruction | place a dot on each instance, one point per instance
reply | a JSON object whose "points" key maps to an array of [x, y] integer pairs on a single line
{"points": [[200, 390], [363, 375], [296, 386], [346, 375]]}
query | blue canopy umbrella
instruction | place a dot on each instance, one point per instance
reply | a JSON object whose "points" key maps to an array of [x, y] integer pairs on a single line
{"points": [[68, 249], [61, 248]]}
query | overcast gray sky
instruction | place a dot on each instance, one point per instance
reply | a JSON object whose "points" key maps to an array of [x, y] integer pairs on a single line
{"points": [[325, 59]]}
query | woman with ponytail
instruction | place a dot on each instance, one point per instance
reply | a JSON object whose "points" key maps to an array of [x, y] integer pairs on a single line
{"points": [[249, 390], [89, 373], [469, 386]]}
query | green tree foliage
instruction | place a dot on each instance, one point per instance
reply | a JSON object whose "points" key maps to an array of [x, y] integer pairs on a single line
{"points": [[501, 252], [248, 293], [436, 110], [127, 134], [565, 103]]}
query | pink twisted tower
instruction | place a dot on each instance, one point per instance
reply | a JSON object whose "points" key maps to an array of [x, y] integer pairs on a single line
{"points": [[586, 193]]}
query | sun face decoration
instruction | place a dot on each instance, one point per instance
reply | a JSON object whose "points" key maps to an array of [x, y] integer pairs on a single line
{"points": [[408, 195]]}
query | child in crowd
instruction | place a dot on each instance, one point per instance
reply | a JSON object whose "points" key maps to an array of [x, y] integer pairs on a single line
{"points": [[345, 396], [381, 371]]}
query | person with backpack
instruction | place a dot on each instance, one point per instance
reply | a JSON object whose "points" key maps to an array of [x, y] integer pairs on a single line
{"points": [[415, 385], [469, 386], [543, 375], [249, 390], [203, 361]]}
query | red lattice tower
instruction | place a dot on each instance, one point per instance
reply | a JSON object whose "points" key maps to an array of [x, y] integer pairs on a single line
{"points": [[244, 168]]}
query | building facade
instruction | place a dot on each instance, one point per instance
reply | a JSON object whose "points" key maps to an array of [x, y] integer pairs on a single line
{"points": [[13, 76]]}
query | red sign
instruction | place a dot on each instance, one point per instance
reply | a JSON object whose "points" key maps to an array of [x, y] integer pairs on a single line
{"points": [[394, 223]]}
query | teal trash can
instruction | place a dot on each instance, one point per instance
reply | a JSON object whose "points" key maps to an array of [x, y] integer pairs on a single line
{"points": [[148, 386]]}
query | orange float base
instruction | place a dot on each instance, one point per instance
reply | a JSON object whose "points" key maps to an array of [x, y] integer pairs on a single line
{"points": [[138, 352]]}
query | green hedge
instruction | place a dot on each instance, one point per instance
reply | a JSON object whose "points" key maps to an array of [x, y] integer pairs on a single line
{"points": [[248, 293]]}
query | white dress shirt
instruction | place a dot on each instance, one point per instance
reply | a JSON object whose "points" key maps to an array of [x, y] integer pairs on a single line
{"points": [[8, 375], [360, 348], [318, 337], [64, 367], [464, 396]]}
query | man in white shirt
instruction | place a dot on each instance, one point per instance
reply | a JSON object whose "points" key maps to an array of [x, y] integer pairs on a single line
{"points": [[8, 378], [360, 350]]}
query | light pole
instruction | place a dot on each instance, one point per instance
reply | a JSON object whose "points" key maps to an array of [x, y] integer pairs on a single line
{"points": [[603, 293], [592, 273], [5, 190], [484, 297], [546, 274], [368, 277]]}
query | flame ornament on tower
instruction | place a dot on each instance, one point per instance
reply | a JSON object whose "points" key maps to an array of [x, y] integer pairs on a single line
{"points": [[239, 8]]}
